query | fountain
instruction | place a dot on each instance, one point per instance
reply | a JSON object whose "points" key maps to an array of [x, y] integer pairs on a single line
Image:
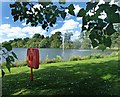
{"points": [[63, 40]]}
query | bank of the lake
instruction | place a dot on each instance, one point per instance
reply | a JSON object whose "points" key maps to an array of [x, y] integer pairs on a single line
{"points": [[90, 76], [64, 54]]}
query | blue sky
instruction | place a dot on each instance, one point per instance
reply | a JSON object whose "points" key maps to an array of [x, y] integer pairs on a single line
{"points": [[10, 29]]}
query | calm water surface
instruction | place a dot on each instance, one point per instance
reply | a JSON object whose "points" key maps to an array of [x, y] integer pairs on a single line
{"points": [[52, 53]]}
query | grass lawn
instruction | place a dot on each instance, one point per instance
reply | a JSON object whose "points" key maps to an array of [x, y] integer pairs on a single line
{"points": [[85, 77]]}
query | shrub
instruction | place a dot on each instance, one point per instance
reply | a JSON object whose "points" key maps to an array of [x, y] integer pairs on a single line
{"points": [[113, 54], [15, 64], [54, 60], [94, 56], [19, 64], [58, 59], [75, 58]]}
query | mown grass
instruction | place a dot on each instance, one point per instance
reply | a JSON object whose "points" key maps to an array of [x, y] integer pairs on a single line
{"points": [[84, 77]]}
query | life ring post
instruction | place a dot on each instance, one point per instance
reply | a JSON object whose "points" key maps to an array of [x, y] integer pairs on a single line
{"points": [[31, 74]]}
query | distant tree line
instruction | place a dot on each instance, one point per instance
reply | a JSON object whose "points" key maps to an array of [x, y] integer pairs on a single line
{"points": [[40, 41], [55, 41]]}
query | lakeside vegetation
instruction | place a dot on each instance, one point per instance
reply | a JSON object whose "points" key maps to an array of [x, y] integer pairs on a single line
{"points": [[59, 59], [56, 41], [90, 75], [84, 77]]}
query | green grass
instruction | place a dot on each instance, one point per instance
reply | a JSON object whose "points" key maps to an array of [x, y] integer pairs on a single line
{"points": [[85, 77]]}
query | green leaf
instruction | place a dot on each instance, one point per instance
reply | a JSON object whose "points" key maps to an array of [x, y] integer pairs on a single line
{"points": [[3, 73], [15, 56], [43, 26], [113, 18], [54, 7], [51, 24], [114, 7], [7, 46], [25, 3], [94, 43], [81, 13], [12, 5], [53, 20], [27, 21], [63, 14], [47, 17], [84, 21], [56, 12], [16, 18], [11, 59], [102, 47], [62, 1], [21, 18], [71, 7], [13, 12], [83, 28], [107, 41], [8, 62], [101, 23], [90, 5], [71, 12], [110, 30]]}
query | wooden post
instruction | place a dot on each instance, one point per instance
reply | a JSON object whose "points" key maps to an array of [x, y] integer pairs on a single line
{"points": [[31, 74]]}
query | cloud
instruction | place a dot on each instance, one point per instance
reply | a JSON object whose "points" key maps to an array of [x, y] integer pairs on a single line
{"points": [[24, 24], [77, 8], [79, 18], [32, 30], [8, 32], [103, 15], [70, 26], [68, 16], [7, 18], [80, 25], [75, 35]]}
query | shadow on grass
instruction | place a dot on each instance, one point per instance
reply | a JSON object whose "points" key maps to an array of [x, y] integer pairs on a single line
{"points": [[67, 79]]}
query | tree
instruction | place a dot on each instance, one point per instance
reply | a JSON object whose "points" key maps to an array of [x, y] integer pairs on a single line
{"points": [[76, 44], [100, 30], [116, 36], [37, 35], [8, 54], [86, 43], [67, 40], [68, 37], [45, 43], [56, 40]]}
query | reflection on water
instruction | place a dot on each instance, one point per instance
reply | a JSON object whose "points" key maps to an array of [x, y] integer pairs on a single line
{"points": [[51, 53]]}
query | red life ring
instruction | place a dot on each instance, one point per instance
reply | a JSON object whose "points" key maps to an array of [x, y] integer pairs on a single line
{"points": [[33, 58]]}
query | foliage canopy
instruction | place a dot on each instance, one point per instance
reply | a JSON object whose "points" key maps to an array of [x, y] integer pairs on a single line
{"points": [[100, 30]]}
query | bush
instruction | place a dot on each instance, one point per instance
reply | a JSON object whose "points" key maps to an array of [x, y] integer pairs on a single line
{"points": [[113, 54], [19, 64], [15, 64], [54, 60], [58, 59], [94, 56], [75, 58]]}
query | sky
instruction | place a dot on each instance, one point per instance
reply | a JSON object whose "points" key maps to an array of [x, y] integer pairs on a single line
{"points": [[10, 29]]}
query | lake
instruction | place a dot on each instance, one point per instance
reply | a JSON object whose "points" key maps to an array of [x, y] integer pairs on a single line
{"points": [[52, 53]]}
